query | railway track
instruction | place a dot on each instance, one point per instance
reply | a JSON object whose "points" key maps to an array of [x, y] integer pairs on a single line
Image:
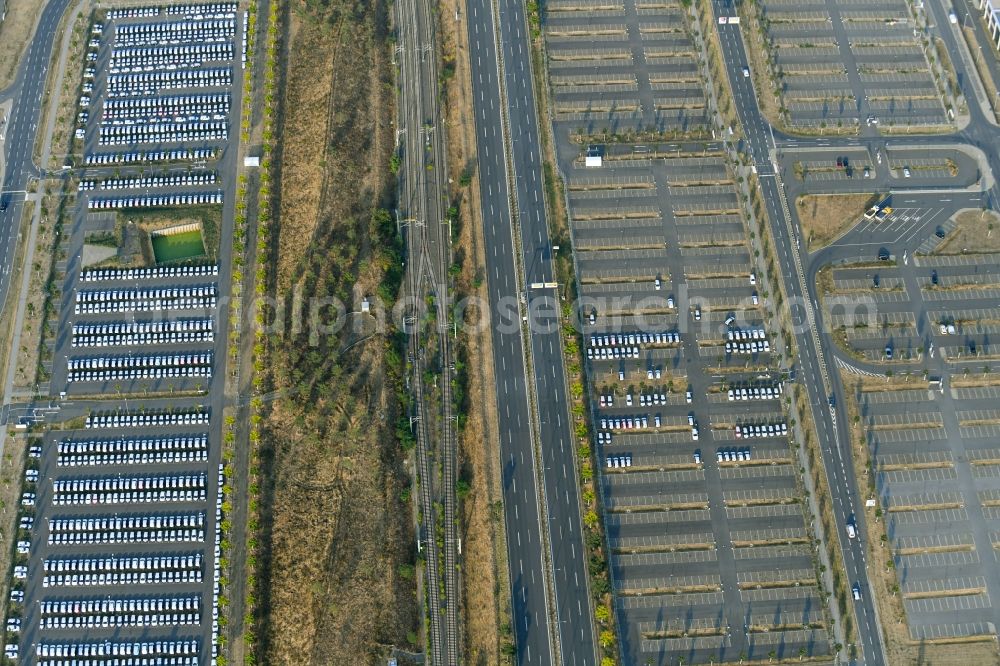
{"points": [[423, 202]]}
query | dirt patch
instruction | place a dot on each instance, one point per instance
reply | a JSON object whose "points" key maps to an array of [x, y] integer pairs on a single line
{"points": [[976, 232], [979, 379], [16, 31], [338, 567], [826, 217], [906, 508]]}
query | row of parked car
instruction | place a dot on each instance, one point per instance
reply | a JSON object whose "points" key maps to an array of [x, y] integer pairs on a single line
{"points": [[134, 536], [629, 422], [124, 523], [737, 334], [150, 273], [174, 155], [132, 12], [143, 420], [755, 392], [147, 106], [119, 649], [151, 58], [151, 83], [132, 339], [109, 484], [135, 458], [762, 430], [69, 447], [158, 496], [122, 362], [146, 201], [753, 347], [168, 180], [138, 563], [605, 353], [731, 455], [88, 606], [144, 294], [189, 372], [611, 340], [130, 578], [132, 135], [213, 10], [246, 23], [619, 461], [118, 621], [143, 327], [165, 33], [148, 305]]}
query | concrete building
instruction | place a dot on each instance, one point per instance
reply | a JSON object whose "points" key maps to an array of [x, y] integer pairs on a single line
{"points": [[991, 14]]}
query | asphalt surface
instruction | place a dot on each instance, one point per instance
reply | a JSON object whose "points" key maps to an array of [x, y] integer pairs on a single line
{"points": [[571, 598], [28, 92], [834, 440], [577, 645], [521, 509]]}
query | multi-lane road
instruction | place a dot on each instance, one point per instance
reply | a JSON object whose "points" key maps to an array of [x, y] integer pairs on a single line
{"points": [[529, 594], [28, 93], [510, 173], [833, 436], [575, 634]]}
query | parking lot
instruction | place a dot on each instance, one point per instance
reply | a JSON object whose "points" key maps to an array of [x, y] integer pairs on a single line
{"points": [[934, 447], [711, 558], [832, 58], [120, 509], [596, 79]]}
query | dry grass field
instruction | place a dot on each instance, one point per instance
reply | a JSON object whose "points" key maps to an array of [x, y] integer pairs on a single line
{"points": [[976, 232], [339, 584], [15, 33], [826, 217]]}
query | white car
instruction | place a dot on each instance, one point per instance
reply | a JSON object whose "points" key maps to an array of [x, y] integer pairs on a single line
{"points": [[746, 72]]}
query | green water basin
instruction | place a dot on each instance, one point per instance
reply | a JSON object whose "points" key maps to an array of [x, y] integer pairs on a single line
{"points": [[185, 245]]}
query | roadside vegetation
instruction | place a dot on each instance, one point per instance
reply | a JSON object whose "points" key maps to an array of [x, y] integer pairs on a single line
{"points": [[485, 607], [333, 549], [585, 463], [827, 217], [985, 74]]}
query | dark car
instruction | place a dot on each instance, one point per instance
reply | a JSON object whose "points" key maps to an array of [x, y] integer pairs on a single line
{"points": [[883, 254], [939, 232], [4, 201], [934, 278]]}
